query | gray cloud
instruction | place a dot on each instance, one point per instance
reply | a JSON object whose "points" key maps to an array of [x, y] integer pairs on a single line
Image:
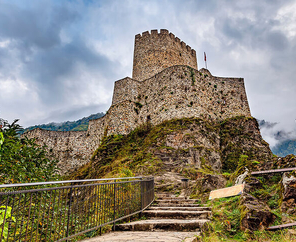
{"points": [[58, 57], [39, 26]]}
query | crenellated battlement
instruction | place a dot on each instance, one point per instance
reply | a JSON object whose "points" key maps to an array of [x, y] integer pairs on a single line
{"points": [[156, 51], [163, 32]]}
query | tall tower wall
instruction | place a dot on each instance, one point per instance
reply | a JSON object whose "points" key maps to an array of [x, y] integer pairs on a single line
{"points": [[157, 51]]}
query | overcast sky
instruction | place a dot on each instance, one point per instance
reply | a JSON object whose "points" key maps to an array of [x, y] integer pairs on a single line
{"points": [[59, 59]]}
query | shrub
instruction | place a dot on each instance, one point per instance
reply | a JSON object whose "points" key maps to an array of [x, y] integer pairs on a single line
{"points": [[22, 160]]}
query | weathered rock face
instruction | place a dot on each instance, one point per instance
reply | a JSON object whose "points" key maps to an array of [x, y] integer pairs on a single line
{"points": [[216, 146], [198, 144], [241, 136], [252, 184], [212, 182], [289, 193], [255, 215]]}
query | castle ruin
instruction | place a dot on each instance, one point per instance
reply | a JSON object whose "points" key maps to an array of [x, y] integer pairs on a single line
{"points": [[166, 84]]}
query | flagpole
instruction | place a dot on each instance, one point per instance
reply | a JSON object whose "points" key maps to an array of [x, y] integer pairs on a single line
{"points": [[205, 58]]}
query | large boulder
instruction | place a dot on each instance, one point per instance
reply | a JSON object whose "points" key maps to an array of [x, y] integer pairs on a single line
{"points": [[212, 182], [289, 193], [255, 215]]}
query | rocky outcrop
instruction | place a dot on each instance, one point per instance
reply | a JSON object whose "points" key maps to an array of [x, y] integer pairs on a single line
{"points": [[211, 182], [289, 193], [255, 215], [241, 136]]}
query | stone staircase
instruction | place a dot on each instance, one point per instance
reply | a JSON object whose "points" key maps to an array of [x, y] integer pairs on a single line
{"points": [[170, 162], [170, 218], [169, 213]]}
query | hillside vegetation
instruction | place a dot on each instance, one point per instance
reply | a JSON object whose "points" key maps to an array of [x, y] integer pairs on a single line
{"points": [[78, 125]]}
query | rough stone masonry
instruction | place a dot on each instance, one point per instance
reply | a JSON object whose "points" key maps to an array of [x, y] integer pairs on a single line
{"points": [[165, 85]]}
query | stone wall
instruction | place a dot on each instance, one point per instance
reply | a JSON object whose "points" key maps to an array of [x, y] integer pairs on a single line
{"points": [[157, 51], [71, 148], [125, 89], [176, 92]]}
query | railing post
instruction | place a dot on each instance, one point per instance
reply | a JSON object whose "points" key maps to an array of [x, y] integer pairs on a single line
{"points": [[142, 197], [114, 204], [69, 213]]}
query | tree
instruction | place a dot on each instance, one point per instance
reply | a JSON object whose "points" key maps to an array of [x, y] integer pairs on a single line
{"points": [[22, 160]]}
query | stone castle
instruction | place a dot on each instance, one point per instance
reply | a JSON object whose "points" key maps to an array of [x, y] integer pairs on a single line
{"points": [[166, 84]]}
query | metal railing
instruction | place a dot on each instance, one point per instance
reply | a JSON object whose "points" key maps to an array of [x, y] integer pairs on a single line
{"points": [[59, 211]]}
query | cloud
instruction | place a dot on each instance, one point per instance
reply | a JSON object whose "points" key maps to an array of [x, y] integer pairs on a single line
{"points": [[45, 66], [276, 133], [61, 56]]}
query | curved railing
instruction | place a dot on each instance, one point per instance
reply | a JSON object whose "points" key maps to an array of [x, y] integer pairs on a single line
{"points": [[61, 210]]}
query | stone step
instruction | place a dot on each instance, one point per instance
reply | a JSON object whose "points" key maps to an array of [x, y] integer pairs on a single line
{"points": [[163, 225], [164, 186], [181, 208], [161, 195], [175, 205], [176, 214], [171, 198], [181, 200]]}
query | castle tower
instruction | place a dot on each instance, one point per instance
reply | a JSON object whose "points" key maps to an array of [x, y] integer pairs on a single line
{"points": [[157, 51]]}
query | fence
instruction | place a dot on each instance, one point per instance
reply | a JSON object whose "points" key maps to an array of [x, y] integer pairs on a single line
{"points": [[59, 211]]}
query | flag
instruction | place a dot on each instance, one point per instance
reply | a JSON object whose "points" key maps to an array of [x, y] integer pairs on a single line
{"points": [[205, 56]]}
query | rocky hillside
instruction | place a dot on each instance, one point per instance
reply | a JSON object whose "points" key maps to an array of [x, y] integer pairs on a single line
{"points": [[212, 155], [184, 146]]}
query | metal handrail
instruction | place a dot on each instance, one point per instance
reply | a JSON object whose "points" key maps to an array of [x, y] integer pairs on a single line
{"points": [[59, 213], [66, 181]]}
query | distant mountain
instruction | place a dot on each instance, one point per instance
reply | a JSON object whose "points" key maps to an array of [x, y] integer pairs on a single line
{"points": [[285, 148], [78, 125], [285, 143]]}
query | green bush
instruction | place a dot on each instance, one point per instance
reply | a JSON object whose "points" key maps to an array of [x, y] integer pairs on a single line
{"points": [[22, 160]]}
